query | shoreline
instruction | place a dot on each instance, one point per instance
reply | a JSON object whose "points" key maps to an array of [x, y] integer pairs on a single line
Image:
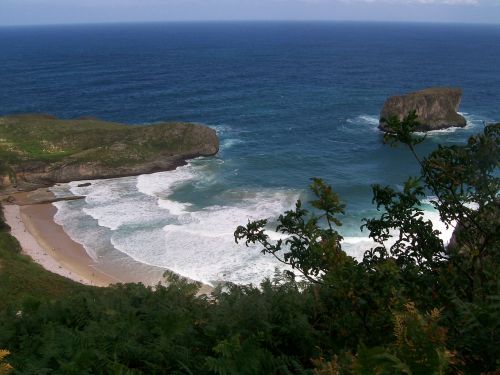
{"points": [[30, 216], [46, 242]]}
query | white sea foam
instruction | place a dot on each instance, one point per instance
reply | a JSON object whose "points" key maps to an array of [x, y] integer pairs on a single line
{"points": [[473, 123], [144, 222], [200, 244], [136, 212], [369, 119], [115, 203], [432, 214], [175, 208], [453, 129], [73, 221], [164, 183], [368, 122], [222, 129], [364, 120], [139, 217], [228, 136], [356, 246], [230, 142]]}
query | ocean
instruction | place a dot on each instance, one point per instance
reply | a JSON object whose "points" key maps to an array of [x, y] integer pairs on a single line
{"points": [[289, 101]]}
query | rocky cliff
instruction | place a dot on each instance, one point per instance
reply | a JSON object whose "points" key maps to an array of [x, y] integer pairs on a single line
{"points": [[436, 108], [40, 150]]}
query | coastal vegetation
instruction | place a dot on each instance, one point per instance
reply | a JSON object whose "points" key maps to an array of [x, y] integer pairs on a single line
{"points": [[5, 368], [412, 305], [21, 278]]}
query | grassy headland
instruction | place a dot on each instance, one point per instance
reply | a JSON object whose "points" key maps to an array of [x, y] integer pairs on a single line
{"points": [[41, 149]]}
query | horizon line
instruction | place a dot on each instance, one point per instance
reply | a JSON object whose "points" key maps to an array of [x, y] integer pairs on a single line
{"points": [[139, 22]]}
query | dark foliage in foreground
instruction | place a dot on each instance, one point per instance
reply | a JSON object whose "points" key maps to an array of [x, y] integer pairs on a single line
{"points": [[411, 306]]}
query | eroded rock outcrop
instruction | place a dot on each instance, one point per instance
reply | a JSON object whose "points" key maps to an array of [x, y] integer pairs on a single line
{"points": [[436, 108]]}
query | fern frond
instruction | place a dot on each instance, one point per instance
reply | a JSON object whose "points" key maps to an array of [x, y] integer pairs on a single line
{"points": [[5, 368]]}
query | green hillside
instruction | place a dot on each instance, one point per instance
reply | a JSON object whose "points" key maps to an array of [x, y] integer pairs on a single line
{"points": [[21, 278], [45, 138]]}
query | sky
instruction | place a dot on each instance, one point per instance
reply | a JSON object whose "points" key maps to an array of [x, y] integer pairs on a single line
{"points": [[34, 12]]}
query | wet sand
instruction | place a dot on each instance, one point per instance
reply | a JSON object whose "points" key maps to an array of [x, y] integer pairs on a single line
{"points": [[47, 243]]}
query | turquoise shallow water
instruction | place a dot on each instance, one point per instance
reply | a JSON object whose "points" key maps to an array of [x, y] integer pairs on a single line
{"points": [[290, 101]]}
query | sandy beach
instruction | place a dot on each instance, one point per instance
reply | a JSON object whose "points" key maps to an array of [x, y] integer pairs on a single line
{"points": [[47, 244], [31, 218]]}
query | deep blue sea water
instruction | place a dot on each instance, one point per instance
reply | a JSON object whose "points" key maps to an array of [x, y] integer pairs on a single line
{"points": [[290, 101]]}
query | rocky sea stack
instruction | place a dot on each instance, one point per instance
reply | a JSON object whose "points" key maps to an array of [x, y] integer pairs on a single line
{"points": [[436, 108], [40, 150]]}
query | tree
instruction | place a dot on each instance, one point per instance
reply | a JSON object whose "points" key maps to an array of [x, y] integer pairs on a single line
{"points": [[417, 268], [312, 246]]}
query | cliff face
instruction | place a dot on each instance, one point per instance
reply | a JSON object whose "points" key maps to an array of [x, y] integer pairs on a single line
{"points": [[41, 150], [436, 108]]}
